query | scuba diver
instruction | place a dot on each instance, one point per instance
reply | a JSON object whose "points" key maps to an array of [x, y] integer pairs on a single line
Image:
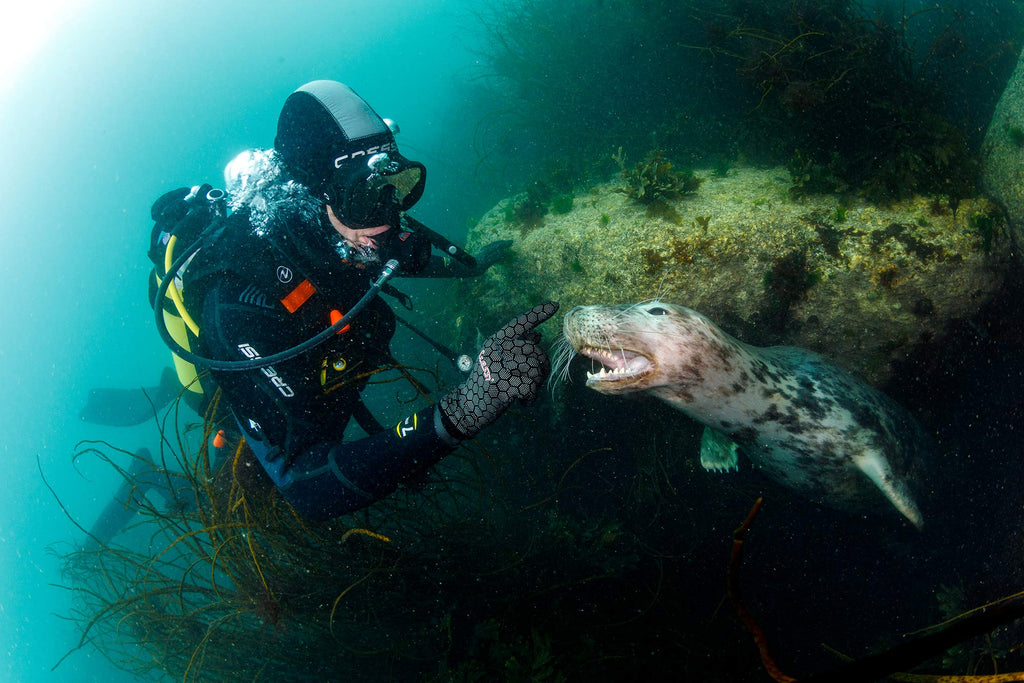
{"points": [[278, 299]]}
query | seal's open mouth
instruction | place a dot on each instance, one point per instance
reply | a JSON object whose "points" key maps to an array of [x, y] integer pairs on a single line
{"points": [[617, 365]]}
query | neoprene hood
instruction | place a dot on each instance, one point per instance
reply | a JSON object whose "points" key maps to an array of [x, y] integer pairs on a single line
{"points": [[323, 126]]}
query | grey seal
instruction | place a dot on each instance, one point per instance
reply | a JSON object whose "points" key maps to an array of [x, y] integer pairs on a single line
{"points": [[800, 418]]}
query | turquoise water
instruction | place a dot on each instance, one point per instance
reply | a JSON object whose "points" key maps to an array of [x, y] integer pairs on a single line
{"points": [[124, 101], [127, 100]]}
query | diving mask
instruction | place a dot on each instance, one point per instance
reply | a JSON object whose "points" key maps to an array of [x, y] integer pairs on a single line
{"points": [[365, 195]]}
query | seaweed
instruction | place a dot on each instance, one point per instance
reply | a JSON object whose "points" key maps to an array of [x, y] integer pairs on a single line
{"points": [[446, 577], [656, 184], [987, 225], [529, 207], [1016, 134], [857, 99], [720, 166], [808, 176], [909, 239], [830, 238], [561, 203], [551, 191], [877, 99], [785, 283]]}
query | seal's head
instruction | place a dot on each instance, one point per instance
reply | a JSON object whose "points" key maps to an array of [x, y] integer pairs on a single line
{"points": [[641, 346]]}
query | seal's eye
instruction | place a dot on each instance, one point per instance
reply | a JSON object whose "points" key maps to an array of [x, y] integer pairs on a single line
{"points": [[657, 310]]}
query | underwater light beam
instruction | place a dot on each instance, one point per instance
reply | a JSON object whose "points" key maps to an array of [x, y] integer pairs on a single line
{"points": [[26, 29]]}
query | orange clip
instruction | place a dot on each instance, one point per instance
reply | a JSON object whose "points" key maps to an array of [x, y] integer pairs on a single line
{"points": [[335, 317]]}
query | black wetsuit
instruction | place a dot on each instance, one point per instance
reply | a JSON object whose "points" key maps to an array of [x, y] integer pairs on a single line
{"points": [[294, 413]]}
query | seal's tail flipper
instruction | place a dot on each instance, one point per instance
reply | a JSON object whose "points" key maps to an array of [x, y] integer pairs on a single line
{"points": [[877, 468], [127, 407]]}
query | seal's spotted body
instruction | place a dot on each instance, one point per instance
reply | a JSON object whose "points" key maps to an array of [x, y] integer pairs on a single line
{"points": [[800, 418]]}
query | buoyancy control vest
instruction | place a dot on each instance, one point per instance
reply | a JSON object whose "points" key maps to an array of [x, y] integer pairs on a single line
{"points": [[284, 271]]}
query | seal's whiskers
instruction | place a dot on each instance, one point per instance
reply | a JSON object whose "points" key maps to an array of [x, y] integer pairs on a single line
{"points": [[563, 353]]}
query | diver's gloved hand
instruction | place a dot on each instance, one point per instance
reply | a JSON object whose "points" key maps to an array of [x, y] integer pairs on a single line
{"points": [[170, 207], [185, 213], [511, 366], [490, 254], [411, 250]]}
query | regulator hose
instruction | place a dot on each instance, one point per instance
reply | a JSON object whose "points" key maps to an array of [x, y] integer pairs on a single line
{"points": [[390, 268]]}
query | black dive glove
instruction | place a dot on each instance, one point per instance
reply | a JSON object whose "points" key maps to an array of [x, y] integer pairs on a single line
{"points": [[510, 366], [490, 254]]}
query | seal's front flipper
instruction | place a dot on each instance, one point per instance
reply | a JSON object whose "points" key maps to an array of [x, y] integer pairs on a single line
{"points": [[895, 489], [718, 453], [127, 407]]}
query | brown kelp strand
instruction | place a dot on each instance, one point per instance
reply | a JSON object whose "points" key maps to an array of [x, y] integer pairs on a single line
{"points": [[217, 577]]}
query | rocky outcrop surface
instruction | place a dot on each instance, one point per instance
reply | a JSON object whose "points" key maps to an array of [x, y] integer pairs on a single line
{"points": [[1003, 153], [861, 283]]}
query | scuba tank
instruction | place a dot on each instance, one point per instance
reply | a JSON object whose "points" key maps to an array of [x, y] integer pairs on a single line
{"points": [[180, 218]]}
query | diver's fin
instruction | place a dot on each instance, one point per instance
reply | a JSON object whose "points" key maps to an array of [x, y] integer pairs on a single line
{"points": [[895, 489], [122, 507], [718, 453], [128, 407]]}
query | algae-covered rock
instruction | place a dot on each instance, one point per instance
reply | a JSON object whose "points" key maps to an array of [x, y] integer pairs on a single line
{"points": [[861, 283], [1003, 152]]}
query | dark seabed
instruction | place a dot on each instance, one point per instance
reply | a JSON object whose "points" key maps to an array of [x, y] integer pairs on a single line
{"points": [[577, 538]]}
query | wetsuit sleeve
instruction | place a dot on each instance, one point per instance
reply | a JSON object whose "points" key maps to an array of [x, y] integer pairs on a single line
{"points": [[446, 266], [332, 479], [295, 429]]}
